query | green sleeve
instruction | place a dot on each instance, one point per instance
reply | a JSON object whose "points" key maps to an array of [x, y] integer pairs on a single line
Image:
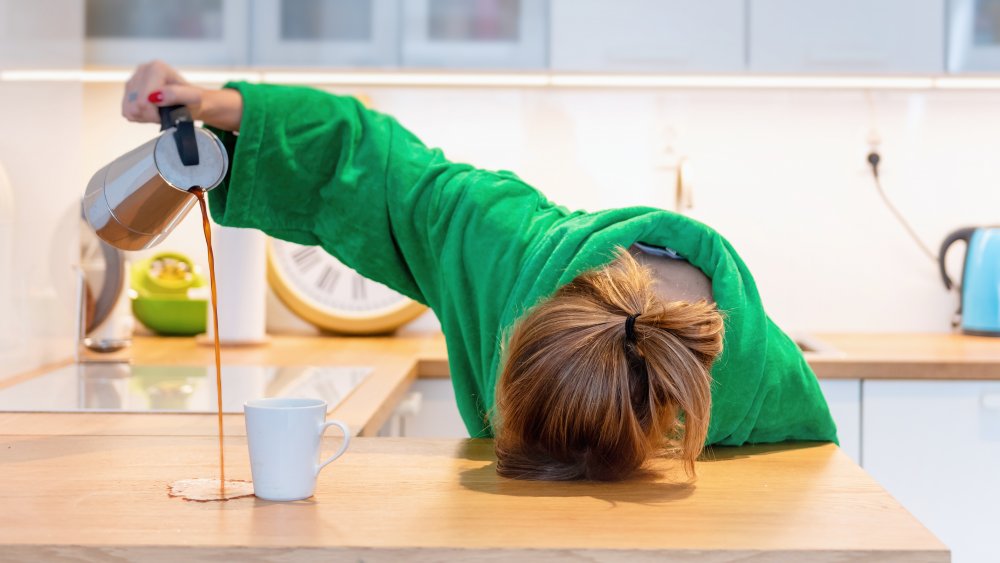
{"points": [[319, 169]]}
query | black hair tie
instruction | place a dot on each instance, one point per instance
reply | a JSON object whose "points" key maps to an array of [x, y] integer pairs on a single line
{"points": [[630, 328]]}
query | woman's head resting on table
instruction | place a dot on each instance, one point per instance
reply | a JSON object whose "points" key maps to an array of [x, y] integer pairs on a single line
{"points": [[595, 379]]}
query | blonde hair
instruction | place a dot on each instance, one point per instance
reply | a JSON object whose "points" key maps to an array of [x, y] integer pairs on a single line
{"points": [[576, 399]]}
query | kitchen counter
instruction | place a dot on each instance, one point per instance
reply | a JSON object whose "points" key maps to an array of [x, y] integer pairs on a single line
{"points": [[837, 355], [93, 485], [396, 362], [99, 498], [399, 360], [906, 356]]}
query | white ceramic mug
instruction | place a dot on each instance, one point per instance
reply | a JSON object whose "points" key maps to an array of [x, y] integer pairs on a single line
{"points": [[284, 438]]}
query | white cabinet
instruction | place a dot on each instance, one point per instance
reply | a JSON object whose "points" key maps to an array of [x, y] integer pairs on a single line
{"points": [[935, 446], [325, 32], [437, 416], [973, 35], [183, 32], [507, 34], [844, 399], [648, 35], [847, 36]]}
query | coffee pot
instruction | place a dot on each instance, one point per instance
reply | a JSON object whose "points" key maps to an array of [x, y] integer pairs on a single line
{"points": [[136, 200]]}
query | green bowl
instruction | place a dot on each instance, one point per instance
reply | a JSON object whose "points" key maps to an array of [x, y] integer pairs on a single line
{"points": [[171, 317]]}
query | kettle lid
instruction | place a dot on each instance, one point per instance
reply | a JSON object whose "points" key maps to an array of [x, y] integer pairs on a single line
{"points": [[213, 161]]}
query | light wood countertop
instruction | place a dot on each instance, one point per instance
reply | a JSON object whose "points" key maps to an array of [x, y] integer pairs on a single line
{"points": [[103, 498], [906, 356], [92, 486]]}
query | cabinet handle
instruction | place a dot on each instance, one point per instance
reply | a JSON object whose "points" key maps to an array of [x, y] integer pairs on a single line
{"points": [[873, 60], [651, 59], [990, 401]]}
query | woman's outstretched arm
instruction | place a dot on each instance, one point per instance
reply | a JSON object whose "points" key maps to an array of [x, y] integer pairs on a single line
{"points": [[321, 169]]}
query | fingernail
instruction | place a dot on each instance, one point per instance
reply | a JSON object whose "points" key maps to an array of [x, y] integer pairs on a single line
{"points": [[156, 97]]}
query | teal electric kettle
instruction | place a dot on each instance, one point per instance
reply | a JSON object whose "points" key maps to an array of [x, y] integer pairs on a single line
{"points": [[980, 287]]}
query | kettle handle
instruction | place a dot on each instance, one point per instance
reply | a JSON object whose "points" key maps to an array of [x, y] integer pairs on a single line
{"points": [[187, 145], [170, 115], [961, 234]]}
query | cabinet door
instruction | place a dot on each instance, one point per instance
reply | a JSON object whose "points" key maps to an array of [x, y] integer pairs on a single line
{"points": [[844, 399], [973, 35], [858, 36], [935, 446], [30, 38], [648, 35], [438, 416], [184, 32], [325, 32], [509, 34]]}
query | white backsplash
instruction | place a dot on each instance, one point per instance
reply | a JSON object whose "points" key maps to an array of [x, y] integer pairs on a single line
{"points": [[782, 174], [40, 150]]}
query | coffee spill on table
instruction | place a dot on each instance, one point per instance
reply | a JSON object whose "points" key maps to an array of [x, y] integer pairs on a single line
{"points": [[207, 226], [206, 490]]}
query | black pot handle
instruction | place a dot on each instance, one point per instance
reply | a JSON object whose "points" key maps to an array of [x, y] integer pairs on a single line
{"points": [[187, 144], [961, 234]]}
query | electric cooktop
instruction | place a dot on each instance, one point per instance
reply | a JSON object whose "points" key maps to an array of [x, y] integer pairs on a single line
{"points": [[122, 387]]}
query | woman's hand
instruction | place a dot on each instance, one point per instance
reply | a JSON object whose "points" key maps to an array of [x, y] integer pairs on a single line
{"points": [[156, 83]]}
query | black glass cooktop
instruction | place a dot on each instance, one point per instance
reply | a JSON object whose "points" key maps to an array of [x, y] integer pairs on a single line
{"points": [[122, 387]]}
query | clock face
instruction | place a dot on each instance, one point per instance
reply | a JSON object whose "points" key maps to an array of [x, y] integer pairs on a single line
{"points": [[324, 291]]}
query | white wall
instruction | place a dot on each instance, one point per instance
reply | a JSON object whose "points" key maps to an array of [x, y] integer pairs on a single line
{"points": [[40, 140], [781, 173]]}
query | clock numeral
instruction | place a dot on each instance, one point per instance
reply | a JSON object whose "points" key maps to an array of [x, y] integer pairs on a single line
{"points": [[306, 258], [358, 288], [328, 279]]}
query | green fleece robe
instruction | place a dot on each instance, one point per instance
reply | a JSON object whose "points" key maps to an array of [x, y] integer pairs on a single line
{"points": [[481, 247]]}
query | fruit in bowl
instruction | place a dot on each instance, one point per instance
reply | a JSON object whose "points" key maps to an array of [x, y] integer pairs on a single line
{"points": [[167, 298]]}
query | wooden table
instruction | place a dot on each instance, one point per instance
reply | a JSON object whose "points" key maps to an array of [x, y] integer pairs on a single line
{"points": [[103, 498]]}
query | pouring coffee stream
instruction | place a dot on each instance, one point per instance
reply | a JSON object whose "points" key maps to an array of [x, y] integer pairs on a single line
{"points": [[136, 200], [207, 227]]}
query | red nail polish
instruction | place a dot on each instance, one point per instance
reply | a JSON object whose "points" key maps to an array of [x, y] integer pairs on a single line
{"points": [[156, 97]]}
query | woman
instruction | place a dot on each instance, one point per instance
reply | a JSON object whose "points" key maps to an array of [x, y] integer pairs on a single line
{"points": [[585, 343]]}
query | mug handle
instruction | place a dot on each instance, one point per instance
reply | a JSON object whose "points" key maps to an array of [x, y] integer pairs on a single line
{"points": [[343, 447]]}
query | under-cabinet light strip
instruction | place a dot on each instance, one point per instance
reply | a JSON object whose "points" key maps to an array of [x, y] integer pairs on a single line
{"points": [[408, 79], [744, 81], [518, 80]]}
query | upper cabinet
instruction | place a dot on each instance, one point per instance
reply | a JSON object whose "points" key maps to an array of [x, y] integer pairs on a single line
{"points": [[344, 33], [495, 34], [31, 38], [648, 35], [847, 36], [186, 32], [974, 36], [669, 36]]}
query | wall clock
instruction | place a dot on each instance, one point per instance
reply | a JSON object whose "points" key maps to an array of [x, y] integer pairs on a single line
{"points": [[323, 291]]}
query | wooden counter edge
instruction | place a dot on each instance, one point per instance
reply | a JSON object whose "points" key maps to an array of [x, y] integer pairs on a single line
{"points": [[394, 554]]}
